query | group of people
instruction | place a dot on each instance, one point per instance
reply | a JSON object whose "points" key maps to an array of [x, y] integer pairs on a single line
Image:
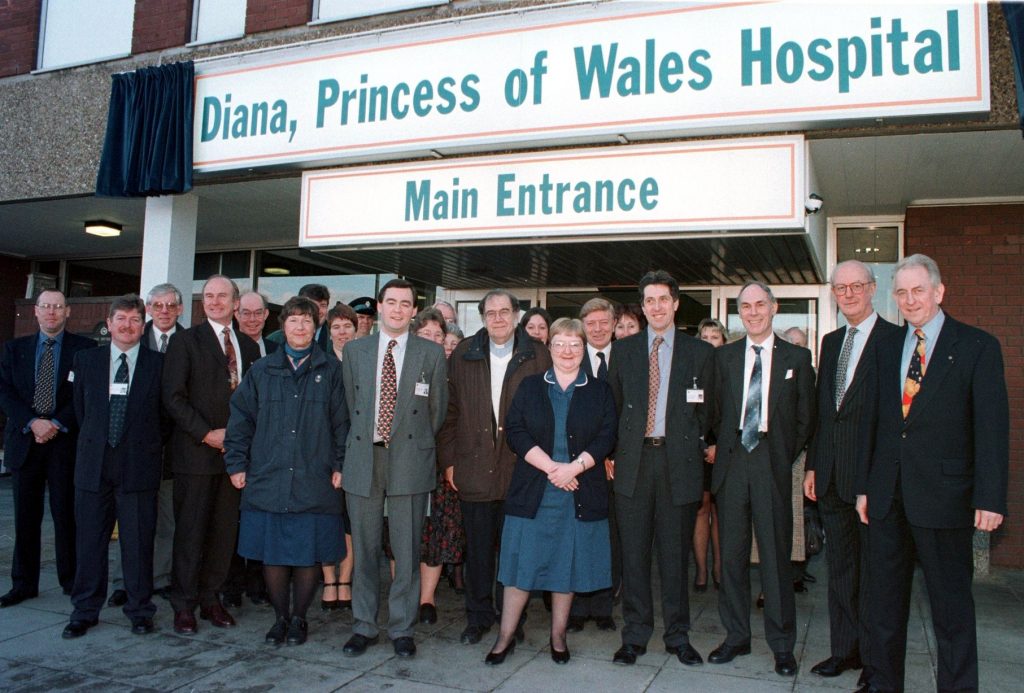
{"points": [[556, 456]]}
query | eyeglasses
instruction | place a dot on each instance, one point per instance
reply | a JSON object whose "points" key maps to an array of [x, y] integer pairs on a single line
{"points": [[567, 346], [160, 307], [50, 306], [504, 314], [854, 288], [249, 314]]}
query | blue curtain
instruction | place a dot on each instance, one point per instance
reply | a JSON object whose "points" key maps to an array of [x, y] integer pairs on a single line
{"points": [[148, 146], [1014, 13]]}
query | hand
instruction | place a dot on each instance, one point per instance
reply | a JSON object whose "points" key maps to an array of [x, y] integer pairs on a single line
{"points": [[449, 476], [609, 468], [44, 430], [862, 508], [238, 480], [562, 475], [215, 439], [709, 455], [335, 479], [987, 521], [809, 485]]}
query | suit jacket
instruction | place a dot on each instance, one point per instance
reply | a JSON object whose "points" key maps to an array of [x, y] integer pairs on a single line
{"points": [[196, 394], [142, 441], [149, 339], [17, 390], [841, 444], [412, 459], [685, 422], [951, 455], [790, 409], [586, 367]]}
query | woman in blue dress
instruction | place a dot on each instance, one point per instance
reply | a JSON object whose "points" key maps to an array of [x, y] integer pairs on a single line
{"points": [[562, 425]]}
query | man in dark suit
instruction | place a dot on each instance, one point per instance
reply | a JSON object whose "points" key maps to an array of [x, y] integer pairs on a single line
{"points": [[39, 442], [117, 470], [764, 418], [164, 306], [203, 366], [391, 453], [846, 367], [938, 473], [663, 381]]}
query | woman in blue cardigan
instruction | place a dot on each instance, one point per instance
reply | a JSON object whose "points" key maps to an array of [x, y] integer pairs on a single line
{"points": [[562, 426]]}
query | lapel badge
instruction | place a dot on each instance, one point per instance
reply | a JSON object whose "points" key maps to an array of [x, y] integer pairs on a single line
{"points": [[317, 378]]}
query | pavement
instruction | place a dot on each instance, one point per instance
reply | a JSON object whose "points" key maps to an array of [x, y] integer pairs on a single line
{"points": [[33, 657]]}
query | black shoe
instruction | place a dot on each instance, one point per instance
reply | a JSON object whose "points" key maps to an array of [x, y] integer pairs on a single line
{"points": [[357, 644], [605, 623], [277, 632], [700, 589], [142, 625], [725, 653], [404, 647], [297, 630], [834, 666], [344, 603], [785, 664], [865, 676], [760, 601], [330, 604], [495, 658], [15, 597], [559, 656], [118, 598], [686, 654], [473, 633], [867, 688], [575, 624], [233, 599], [455, 581], [77, 628], [627, 654], [428, 613]]}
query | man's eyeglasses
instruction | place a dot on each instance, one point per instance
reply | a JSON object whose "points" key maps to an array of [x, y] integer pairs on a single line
{"points": [[854, 288], [50, 306], [248, 314], [160, 307]]}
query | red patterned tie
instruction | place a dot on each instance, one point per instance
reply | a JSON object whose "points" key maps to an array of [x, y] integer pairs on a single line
{"points": [[388, 393], [229, 351], [653, 385], [915, 373]]}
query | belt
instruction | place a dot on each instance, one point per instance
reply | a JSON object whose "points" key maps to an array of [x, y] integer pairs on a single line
{"points": [[654, 442], [380, 443]]}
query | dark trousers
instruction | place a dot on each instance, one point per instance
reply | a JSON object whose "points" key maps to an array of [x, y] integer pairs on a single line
{"points": [[599, 604], [749, 495], [483, 522], [947, 560], [848, 598], [650, 523], [205, 532], [96, 511], [47, 467]]}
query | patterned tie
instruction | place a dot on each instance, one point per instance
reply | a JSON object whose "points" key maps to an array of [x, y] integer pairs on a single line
{"points": [[163, 344], [653, 385], [844, 364], [602, 368], [229, 351], [388, 393], [915, 373], [752, 412], [42, 400], [118, 405]]}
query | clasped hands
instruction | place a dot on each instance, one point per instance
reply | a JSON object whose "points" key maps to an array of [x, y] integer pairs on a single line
{"points": [[44, 430]]}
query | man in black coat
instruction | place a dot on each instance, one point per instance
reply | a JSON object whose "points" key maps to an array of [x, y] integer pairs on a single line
{"points": [[39, 442], [117, 470], [846, 367]]}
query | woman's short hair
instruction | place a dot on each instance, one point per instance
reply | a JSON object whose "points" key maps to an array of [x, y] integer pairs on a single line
{"points": [[572, 326], [300, 305], [342, 311], [714, 325], [536, 310], [453, 329], [428, 315], [634, 311]]}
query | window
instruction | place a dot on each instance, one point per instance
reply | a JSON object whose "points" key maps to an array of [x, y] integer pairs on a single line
{"points": [[72, 32], [333, 10], [218, 20], [877, 245]]}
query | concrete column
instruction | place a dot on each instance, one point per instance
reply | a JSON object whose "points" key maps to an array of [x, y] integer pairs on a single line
{"points": [[169, 245]]}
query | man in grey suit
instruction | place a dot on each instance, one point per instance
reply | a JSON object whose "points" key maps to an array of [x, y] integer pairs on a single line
{"points": [[390, 453]]}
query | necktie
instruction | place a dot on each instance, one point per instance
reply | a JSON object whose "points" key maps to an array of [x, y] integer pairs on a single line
{"points": [[42, 400], [602, 368], [844, 364], [915, 373], [118, 405], [653, 385], [388, 393], [752, 411], [163, 344], [229, 351]]}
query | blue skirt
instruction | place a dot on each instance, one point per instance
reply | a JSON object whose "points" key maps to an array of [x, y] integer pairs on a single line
{"points": [[554, 551], [295, 539]]}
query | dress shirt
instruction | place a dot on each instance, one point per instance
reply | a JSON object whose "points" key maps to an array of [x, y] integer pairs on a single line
{"points": [[931, 331], [860, 340], [115, 362], [398, 353], [595, 363], [665, 370], [170, 333], [500, 357], [218, 330], [262, 345], [766, 378]]}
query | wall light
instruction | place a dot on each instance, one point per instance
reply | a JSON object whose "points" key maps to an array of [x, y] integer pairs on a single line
{"points": [[105, 229], [277, 271], [813, 203]]}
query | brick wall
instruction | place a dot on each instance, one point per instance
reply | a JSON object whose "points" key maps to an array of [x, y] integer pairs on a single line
{"points": [[19, 31], [161, 24], [265, 15], [980, 250]]}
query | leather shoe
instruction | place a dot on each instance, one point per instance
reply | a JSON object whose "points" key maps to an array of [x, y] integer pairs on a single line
{"points": [[865, 676], [277, 632], [357, 644], [15, 597], [575, 624], [185, 622], [142, 625], [834, 666], [559, 656], [473, 633], [686, 654], [605, 623], [404, 646], [297, 630], [627, 654], [725, 653], [77, 628], [868, 688], [785, 664], [495, 658], [118, 598], [217, 615], [428, 613]]}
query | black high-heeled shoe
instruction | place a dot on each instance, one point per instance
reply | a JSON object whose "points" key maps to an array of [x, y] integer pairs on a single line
{"points": [[344, 603], [329, 604], [496, 658], [559, 657], [455, 579]]}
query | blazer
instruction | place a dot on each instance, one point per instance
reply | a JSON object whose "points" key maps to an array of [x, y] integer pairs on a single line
{"points": [[149, 339], [196, 394], [685, 422], [842, 443], [412, 459], [18, 388], [790, 409], [144, 429], [590, 426], [951, 455]]}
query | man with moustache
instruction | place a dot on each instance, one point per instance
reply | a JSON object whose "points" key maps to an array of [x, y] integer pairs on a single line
{"points": [[39, 442]]}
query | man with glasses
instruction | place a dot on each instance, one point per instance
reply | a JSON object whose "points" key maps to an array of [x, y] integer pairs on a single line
{"points": [[164, 306], [483, 374], [252, 315], [39, 442]]}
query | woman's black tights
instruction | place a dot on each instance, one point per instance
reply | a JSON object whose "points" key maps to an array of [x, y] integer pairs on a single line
{"points": [[303, 581]]}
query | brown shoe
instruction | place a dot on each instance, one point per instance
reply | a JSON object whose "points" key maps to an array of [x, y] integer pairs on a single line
{"points": [[184, 622], [217, 616]]}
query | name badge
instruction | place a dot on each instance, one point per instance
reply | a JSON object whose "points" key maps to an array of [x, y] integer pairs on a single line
{"points": [[422, 389], [120, 389], [694, 396], [71, 376]]}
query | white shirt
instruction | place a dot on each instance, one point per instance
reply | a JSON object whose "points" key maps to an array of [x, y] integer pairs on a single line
{"points": [[262, 345], [218, 330], [500, 357], [157, 332], [766, 378], [398, 353], [860, 340], [595, 363], [115, 362]]}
